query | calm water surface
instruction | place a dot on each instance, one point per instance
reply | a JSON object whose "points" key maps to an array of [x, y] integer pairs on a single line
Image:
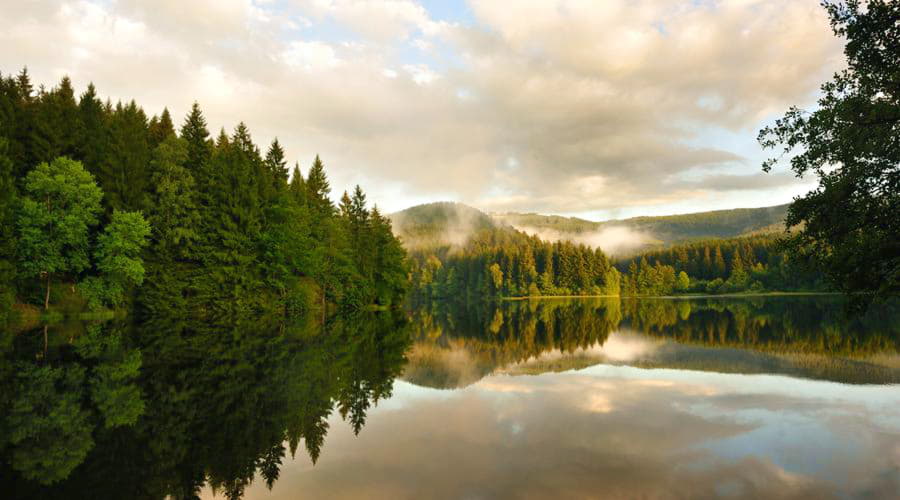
{"points": [[779, 397]]}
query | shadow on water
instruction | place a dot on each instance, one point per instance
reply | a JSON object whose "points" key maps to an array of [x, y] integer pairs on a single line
{"points": [[166, 407]]}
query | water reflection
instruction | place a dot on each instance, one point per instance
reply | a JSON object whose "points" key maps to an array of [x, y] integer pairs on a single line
{"points": [[801, 336], [750, 397], [113, 411]]}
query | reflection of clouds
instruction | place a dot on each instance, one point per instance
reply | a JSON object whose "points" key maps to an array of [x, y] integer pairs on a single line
{"points": [[623, 433]]}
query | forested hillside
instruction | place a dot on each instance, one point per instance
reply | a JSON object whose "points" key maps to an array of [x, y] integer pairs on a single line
{"points": [[662, 230], [460, 252], [125, 208], [720, 265]]}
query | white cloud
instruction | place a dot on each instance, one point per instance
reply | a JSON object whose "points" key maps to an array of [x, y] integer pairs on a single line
{"points": [[602, 104]]}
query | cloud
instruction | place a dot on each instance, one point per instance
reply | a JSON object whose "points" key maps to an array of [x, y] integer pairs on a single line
{"points": [[601, 104]]}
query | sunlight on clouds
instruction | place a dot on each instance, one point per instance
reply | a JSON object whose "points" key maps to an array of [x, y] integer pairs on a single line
{"points": [[605, 104], [310, 56]]}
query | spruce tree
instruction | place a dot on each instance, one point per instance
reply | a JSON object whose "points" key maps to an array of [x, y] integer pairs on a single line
{"points": [[125, 174], [7, 233], [93, 140], [161, 128], [195, 132], [277, 165]]}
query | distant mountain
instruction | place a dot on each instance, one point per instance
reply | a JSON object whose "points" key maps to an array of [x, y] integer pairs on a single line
{"points": [[448, 223], [663, 229], [439, 224]]}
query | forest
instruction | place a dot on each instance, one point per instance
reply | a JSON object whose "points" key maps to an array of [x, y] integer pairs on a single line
{"points": [[102, 206], [458, 252]]}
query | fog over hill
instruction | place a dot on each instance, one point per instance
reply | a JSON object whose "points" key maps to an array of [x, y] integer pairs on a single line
{"points": [[451, 224]]}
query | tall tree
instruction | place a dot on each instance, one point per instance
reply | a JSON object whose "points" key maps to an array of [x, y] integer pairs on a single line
{"points": [[7, 226], [276, 164], [125, 174], [849, 226], [93, 141], [161, 128], [196, 133], [60, 205]]}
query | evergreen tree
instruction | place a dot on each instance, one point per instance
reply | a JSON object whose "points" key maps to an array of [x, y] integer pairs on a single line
{"points": [[93, 140], [7, 233], [161, 128], [195, 132], [277, 165], [125, 174]]}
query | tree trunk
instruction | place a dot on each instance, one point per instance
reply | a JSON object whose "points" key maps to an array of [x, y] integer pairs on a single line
{"points": [[47, 296]]}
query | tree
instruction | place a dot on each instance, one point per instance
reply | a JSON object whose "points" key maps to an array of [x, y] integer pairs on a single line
{"points": [[124, 175], [848, 225], [195, 132], [276, 164], [496, 277], [161, 128], [683, 283], [7, 226], [118, 259], [60, 206]]}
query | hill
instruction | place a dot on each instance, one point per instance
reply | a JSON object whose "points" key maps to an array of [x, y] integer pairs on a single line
{"points": [[626, 235], [439, 224], [447, 223]]}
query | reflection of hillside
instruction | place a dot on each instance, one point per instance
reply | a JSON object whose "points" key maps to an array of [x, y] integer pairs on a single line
{"points": [[456, 347], [798, 336]]}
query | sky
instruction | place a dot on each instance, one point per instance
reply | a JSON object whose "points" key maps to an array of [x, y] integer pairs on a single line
{"points": [[600, 109]]}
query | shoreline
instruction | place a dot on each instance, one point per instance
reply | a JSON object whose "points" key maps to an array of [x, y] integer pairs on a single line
{"points": [[675, 297]]}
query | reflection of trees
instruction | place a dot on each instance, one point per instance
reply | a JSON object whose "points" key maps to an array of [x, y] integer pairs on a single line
{"points": [[496, 335], [54, 400], [458, 345], [216, 404], [786, 324]]}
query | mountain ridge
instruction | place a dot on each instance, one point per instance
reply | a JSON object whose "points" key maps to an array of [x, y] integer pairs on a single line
{"points": [[450, 223]]}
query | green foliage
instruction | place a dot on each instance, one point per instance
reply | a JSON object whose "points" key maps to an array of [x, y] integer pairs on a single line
{"points": [[229, 235], [186, 404], [47, 430], [503, 262], [60, 205], [118, 259], [850, 229], [8, 195], [754, 263], [664, 229]]}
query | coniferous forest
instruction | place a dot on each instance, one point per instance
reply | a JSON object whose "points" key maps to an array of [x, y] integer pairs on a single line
{"points": [[102, 205]]}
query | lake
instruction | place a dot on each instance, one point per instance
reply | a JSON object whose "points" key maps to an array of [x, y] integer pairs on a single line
{"points": [[742, 397]]}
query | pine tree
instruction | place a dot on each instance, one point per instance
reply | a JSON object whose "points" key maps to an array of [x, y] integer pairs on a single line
{"points": [[161, 128], [297, 187], [277, 165], [125, 175], [318, 187], [7, 233], [196, 134], [719, 263], [93, 140]]}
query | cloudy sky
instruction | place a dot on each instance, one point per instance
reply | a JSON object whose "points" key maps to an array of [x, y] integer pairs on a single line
{"points": [[603, 109]]}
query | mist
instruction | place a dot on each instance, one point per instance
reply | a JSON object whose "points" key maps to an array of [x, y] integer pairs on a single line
{"points": [[614, 240], [447, 224]]}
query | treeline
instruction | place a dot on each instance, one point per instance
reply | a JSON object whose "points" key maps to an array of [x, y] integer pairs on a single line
{"points": [[507, 263], [230, 227], [753, 263], [502, 262]]}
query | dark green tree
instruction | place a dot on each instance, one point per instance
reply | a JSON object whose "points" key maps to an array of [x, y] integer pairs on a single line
{"points": [[848, 225]]}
